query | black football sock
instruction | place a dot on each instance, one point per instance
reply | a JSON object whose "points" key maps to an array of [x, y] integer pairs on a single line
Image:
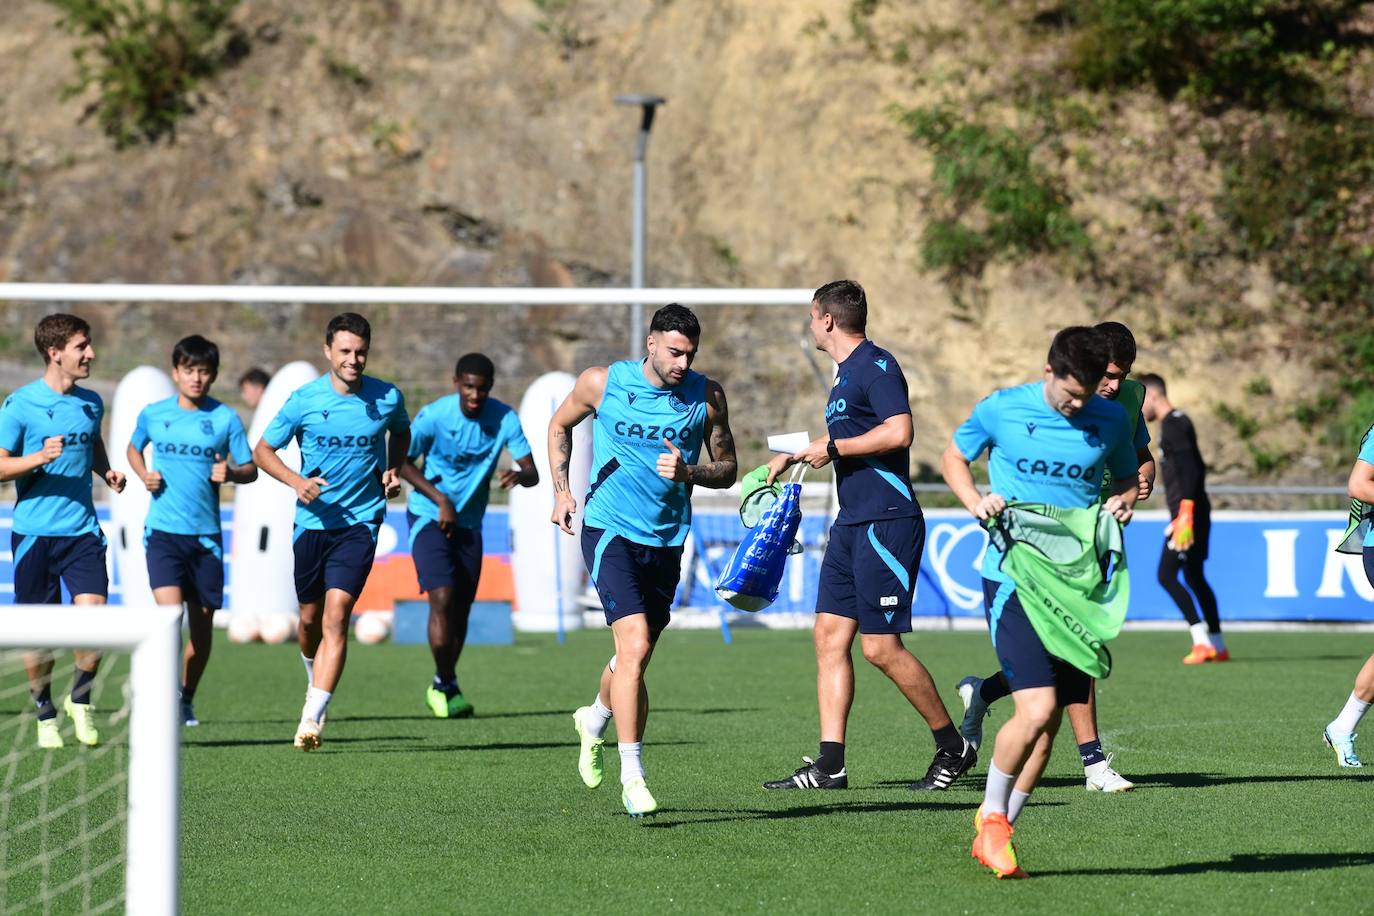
{"points": [[948, 740], [831, 758]]}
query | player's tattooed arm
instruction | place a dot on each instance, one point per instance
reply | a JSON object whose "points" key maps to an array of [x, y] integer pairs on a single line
{"points": [[723, 468]]}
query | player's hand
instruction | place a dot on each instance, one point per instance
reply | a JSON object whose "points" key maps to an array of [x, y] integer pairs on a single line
{"points": [[219, 471], [308, 489], [508, 479], [1145, 487], [448, 516], [779, 464], [52, 448], [115, 480], [564, 505], [153, 481], [670, 464], [1119, 509], [1182, 527], [814, 454], [391, 483], [990, 506]]}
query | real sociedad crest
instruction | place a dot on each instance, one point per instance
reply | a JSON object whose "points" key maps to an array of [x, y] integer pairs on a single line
{"points": [[207, 427], [676, 402]]}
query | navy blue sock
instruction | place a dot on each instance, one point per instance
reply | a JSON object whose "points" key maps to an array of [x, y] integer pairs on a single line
{"points": [[81, 687], [1091, 752], [831, 757], [188, 694], [43, 700], [949, 740], [449, 688]]}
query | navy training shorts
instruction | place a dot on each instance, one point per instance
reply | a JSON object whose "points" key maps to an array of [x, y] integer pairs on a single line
{"points": [[446, 561], [869, 573], [1026, 663], [632, 578], [42, 563], [335, 558], [193, 563]]}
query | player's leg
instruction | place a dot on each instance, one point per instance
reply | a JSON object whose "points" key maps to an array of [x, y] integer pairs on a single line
{"points": [[1339, 733], [1098, 774], [465, 548], [1196, 581], [634, 646], [434, 557], [37, 582], [590, 723], [81, 561], [200, 624], [1170, 567], [978, 694], [308, 547]]}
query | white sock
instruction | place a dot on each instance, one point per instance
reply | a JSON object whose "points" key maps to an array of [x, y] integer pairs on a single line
{"points": [[1347, 721], [997, 794], [309, 669], [315, 702], [596, 718], [1018, 801], [631, 767], [1199, 631], [1217, 642]]}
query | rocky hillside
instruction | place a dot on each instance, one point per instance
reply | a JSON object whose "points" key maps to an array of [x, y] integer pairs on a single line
{"points": [[411, 142]]}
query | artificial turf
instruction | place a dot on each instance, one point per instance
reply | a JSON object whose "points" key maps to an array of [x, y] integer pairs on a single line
{"points": [[1238, 808]]}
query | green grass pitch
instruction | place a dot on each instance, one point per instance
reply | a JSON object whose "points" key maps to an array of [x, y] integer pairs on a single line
{"points": [[1239, 806]]}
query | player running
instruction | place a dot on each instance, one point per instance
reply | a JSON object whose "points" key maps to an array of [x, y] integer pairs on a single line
{"points": [[459, 438], [1339, 734], [194, 437], [1047, 442], [652, 418], [50, 444], [353, 433], [979, 693], [868, 576]]}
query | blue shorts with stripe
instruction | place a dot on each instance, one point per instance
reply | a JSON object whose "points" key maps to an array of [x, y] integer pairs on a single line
{"points": [[333, 558], [1026, 663], [869, 573], [193, 563], [632, 578], [446, 561], [42, 564]]}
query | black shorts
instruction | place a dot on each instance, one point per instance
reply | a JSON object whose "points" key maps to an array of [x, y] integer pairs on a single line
{"points": [[1026, 663], [446, 561], [869, 573], [336, 558], [193, 563], [43, 563], [632, 578]]}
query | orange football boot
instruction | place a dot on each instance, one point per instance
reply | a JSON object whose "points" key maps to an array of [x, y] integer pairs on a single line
{"points": [[993, 847], [1201, 654]]}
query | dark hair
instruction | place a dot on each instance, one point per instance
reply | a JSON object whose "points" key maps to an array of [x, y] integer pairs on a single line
{"points": [[56, 330], [1080, 352], [1120, 343], [351, 322], [844, 300], [475, 364], [674, 317], [255, 376], [196, 351], [1150, 380]]}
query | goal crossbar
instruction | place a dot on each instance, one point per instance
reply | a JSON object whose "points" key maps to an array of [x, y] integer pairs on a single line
{"points": [[153, 638]]}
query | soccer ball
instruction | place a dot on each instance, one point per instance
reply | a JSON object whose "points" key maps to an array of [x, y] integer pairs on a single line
{"points": [[371, 628], [277, 628], [243, 628]]}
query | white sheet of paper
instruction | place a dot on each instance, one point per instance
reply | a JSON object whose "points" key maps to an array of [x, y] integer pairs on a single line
{"points": [[789, 443]]}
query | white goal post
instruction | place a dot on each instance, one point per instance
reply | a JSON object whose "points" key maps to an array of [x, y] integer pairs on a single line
{"points": [[152, 636]]}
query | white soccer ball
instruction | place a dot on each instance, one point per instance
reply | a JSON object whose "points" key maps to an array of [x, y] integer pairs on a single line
{"points": [[243, 628], [277, 628], [372, 628]]}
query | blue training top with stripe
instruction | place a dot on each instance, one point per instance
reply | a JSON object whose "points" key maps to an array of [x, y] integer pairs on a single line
{"points": [[870, 388], [461, 454], [185, 443], [54, 500], [342, 439], [1038, 455], [626, 495]]}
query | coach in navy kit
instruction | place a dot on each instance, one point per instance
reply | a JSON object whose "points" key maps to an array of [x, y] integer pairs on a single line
{"points": [[868, 576]]}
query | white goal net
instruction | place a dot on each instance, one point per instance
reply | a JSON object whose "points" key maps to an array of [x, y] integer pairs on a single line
{"points": [[90, 828]]}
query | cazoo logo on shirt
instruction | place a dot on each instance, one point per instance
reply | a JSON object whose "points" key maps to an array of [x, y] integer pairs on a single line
{"points": [[361, 442], [651, 433], [1058, 469]]}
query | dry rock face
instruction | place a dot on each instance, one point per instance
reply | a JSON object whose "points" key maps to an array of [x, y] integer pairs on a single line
{"points": [[419, 142]]}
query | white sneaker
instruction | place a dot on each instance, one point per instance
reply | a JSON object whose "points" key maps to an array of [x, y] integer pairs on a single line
{"points": [[970, 692], [1102, 778], [307, 735]]}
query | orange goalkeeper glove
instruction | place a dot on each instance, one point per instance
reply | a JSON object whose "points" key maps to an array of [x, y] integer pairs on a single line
{"points": [[1182, 527]]}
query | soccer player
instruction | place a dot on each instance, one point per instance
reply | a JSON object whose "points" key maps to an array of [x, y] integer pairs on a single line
{"points": [[459, 438], [50, 444], [252, 384], [978, 693], [1339, 734], [1187, 535], [868, 576], [194, 437], [1047, 442], [653, 416], [353, 433]]}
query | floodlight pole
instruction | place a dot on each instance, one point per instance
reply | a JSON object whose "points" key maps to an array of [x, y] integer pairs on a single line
{"points": [[648, 105]]}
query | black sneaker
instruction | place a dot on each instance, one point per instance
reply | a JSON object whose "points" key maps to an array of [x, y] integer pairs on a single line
{"points": [[810, 776], [946, 768]]}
